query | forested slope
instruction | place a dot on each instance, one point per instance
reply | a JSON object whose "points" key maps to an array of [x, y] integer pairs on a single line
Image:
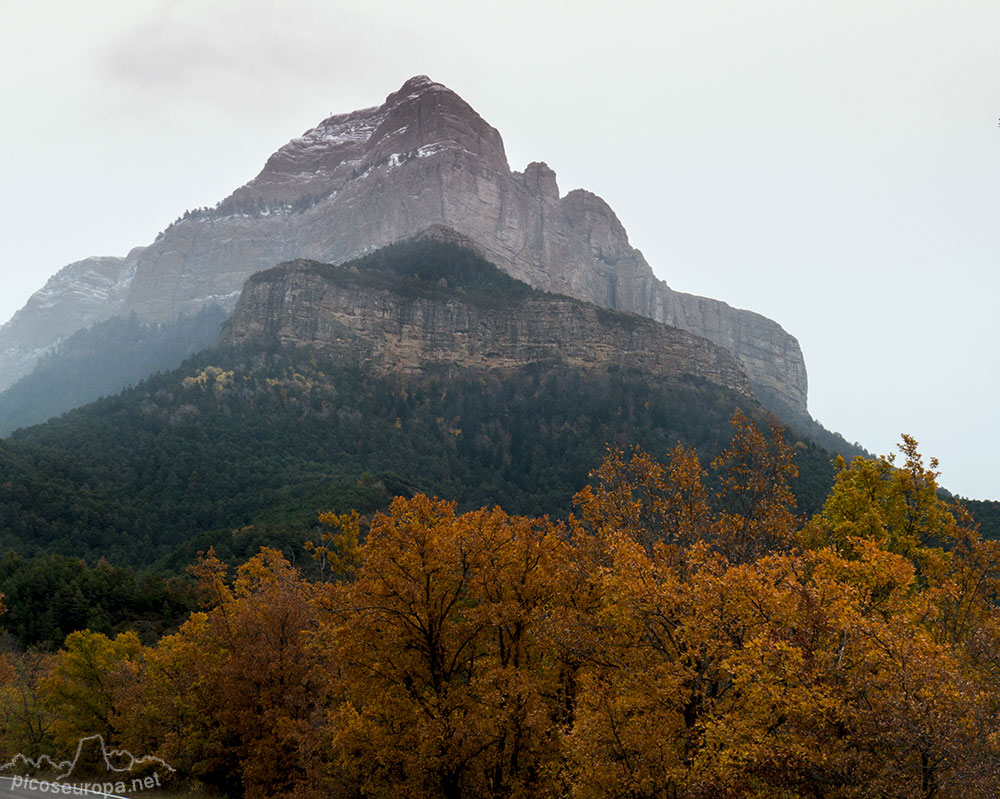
{"points": [[234, 440]]}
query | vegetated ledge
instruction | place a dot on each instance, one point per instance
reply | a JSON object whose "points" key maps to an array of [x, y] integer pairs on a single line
{"points": [[428, 303]]}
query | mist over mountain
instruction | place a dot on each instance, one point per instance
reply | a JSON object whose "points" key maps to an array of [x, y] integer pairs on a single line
{"points": [[365, 179], [103, 359]]}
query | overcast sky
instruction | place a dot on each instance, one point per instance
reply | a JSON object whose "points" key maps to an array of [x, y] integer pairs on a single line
{"points": [[833, 165]]}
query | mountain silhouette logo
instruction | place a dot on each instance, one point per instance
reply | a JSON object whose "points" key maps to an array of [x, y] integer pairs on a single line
{"points": [[90, 749]]}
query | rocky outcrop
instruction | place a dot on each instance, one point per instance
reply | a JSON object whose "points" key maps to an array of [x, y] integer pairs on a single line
{"points": [[385, 326], [424, 157]]}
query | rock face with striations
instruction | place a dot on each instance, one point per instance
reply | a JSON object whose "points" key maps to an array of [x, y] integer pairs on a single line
{"points": [[424, 157], [384, 321]]}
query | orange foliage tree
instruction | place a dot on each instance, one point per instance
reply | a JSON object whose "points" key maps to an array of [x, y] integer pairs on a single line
{"points": [[717, 658], [685, 635], [441, 679], [232, 698]]}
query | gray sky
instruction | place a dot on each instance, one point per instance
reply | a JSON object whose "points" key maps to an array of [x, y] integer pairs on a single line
{"points": [[833, 165]]}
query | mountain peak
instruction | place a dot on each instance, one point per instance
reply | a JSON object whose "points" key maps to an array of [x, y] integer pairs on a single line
{"points": [[423, 158], [421, 119], [415, 85], [425, 118]]}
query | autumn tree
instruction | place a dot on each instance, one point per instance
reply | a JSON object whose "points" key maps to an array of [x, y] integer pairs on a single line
{"points": [[233, 696], [683, 636], [440, 676], [25, 720], [926, 695], [897, 507], [758, 507], [655, 504], [84, 682], [747, 668], [654, 552]]}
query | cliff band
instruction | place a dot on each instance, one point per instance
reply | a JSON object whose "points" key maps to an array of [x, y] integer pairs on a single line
{"points": [[386, 322]]}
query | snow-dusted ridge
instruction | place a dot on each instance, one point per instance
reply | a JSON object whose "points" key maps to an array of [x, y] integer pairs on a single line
{"points": [[341, 129]]}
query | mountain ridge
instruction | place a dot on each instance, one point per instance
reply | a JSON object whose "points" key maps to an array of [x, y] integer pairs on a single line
{"points": [[365, 179], [268, 428], [451, 308]]}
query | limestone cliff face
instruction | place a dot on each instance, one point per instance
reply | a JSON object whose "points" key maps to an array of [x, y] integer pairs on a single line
{"points": [[424, 157], [386, 327]]}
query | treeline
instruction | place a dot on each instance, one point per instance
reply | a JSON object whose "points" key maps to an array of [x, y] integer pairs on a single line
{"points": [[232, 441], [439, 269], [683, 635], [47, 598], [987, 513], [242, 205]]}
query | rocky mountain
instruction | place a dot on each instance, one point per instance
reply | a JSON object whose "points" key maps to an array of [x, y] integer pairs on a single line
{"points": [[449, 310], [362, 180], [420, 367], [76, 297]]}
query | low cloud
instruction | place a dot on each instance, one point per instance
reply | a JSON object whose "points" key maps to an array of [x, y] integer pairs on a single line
{"points": [[234, 52]]}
